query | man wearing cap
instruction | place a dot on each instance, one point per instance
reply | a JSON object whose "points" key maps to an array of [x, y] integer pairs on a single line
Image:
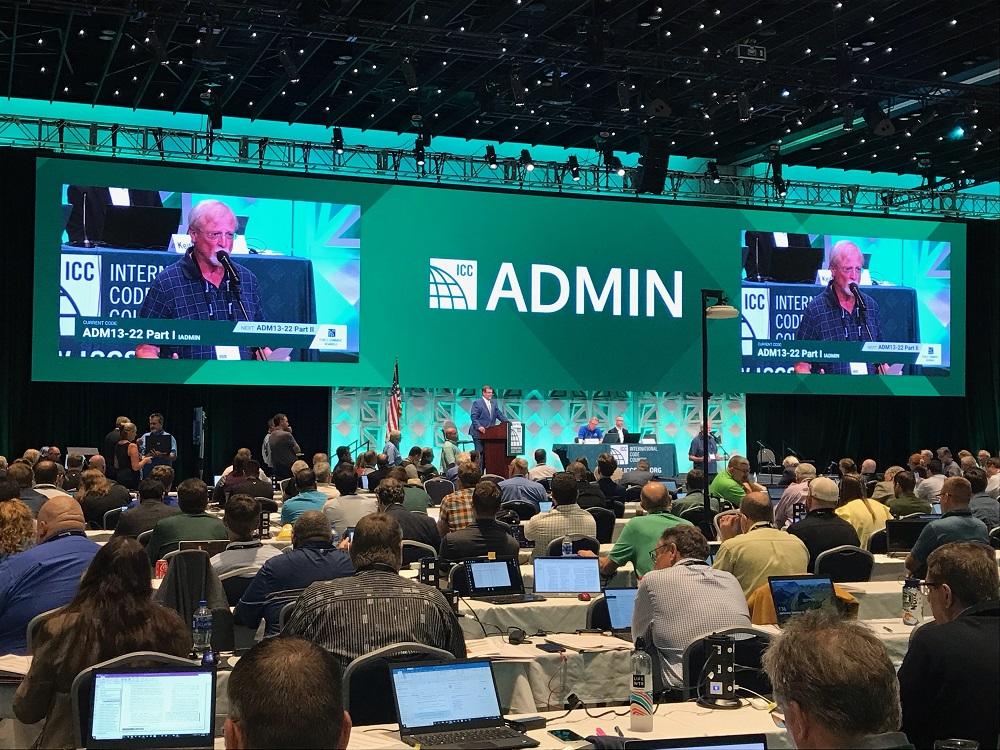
{"points": [[822, 529], [794, 493]]}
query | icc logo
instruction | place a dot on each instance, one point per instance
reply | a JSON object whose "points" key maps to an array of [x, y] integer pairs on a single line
{"points": [[452, 284]]}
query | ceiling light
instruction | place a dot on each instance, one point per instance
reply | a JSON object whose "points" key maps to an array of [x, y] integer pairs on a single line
{"points": [[574, 168], [491, 157]]}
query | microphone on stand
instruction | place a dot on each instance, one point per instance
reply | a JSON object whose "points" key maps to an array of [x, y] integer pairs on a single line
{"points": [[86, 239], [857, 296], [234, 285]]}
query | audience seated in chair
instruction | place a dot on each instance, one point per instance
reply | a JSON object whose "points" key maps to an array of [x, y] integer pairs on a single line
{"points": [[376, 607], [286, 693], [484, 537], [345, 511], [519, 487], [415, 527], [242, 519], [866, 516], [192, 524], [97, 495], [566, 517], [834, 684], [17, 525], [822, 528], [112, 613], [956, 525]]}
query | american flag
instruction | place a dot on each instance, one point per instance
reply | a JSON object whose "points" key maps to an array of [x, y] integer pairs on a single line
{"points": [[395, 410]]}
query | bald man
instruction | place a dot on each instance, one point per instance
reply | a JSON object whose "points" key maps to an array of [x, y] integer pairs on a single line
{"points": [[45, 576]]}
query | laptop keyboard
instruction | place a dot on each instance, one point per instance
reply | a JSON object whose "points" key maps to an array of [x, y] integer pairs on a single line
{"points": [[512, 598], [466, 736]]}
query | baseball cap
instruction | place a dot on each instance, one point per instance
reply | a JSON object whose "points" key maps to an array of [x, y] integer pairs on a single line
{"points": [[824, 489]]}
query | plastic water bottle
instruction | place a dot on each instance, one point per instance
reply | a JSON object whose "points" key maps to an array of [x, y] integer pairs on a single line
{"points": [[640, 697], [567, 546], [911, 601], [201, 628]]}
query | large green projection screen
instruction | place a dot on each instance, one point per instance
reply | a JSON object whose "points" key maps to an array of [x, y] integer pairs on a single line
{"points": [[524, 291]]}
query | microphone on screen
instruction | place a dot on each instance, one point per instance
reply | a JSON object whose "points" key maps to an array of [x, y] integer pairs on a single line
{"points": [[857, 295], [234, 277]]}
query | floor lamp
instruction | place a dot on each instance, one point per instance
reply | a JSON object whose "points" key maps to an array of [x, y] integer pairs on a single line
{"points": [[714, 306]]}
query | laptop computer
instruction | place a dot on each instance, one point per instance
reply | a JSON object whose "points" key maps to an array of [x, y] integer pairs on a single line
{"points": [[143, 227], [713, 550], [620, 603], [793, 595], [160, 443], [567, 576], [775, 493], [730, 742], [670, 484], [901, 534], [497, 581], [544, 506], [160, 706], [451, 704]]}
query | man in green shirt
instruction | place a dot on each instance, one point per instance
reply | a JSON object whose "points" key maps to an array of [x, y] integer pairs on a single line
{"points": [[904, 502], [193, 524], [449, 451], [641, 535], [415, 497], [733, 482]]}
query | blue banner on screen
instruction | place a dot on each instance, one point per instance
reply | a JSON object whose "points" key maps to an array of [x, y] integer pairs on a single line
{"points": [[825, 304]]}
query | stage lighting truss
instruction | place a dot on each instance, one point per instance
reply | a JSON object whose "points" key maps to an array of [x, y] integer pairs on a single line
{"points": [[947, 198]]}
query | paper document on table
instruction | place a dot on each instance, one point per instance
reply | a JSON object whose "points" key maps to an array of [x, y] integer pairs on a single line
{"points": [[12, 665], [495, 647], [588, 642]]}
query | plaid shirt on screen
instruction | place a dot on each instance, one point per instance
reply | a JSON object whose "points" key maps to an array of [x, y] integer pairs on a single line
{"points": [[180, 292], [825, 320], [457, 511]]}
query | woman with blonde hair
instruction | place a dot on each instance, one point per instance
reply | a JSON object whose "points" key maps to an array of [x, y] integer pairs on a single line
{"points": [[97, 495], [17, 528], [866, 516], [128, 459]]}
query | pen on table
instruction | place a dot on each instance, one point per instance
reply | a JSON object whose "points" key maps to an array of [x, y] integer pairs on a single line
{"points": [[887, 629], [618, 731]]}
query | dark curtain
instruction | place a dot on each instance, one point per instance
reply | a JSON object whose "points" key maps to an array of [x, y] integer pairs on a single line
{"points": [[33, 414], [827, 428]]}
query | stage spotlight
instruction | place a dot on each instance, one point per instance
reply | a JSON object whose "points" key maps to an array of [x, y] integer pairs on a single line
{"points": [[286, 62], [713, 172], [338, 140], [526, 161], [410, 75], [877, 120], [654, 157], [574, 168], [623, 96], [777, 179], [491, 157], [418, 151], [848, 121], [517, 87], [612, 162], [743, 102], [960, 130]]}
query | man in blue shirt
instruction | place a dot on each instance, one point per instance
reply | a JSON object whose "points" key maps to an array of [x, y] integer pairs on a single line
{"points": [[308, 497], [283, 577], [519, 487], [590, 431], [160, 458], [956, 525], [46, 576]]}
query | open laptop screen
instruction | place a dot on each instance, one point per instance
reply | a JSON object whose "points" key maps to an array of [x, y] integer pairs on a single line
{"points": [[493, 577], [162, 706], [567, 575], [544, 506], [901, 535], [731, 742], [621, 602], [795, 594], [444, 695]]}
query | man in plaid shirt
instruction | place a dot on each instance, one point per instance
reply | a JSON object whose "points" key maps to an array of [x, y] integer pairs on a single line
{"points": [[197, 287], [456, 509], [835, 316]]}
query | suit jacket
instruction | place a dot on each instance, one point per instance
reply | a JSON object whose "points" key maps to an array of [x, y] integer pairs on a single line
{"points": [[478, 540], [481, 417], [143, 517], [98, 199], [417, 527], [612, 436]]}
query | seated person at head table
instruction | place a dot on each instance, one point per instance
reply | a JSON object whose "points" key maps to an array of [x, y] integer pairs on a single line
{"points": [[590, 431], [618, 433]]}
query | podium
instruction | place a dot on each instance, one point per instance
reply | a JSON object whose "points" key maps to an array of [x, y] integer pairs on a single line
{"points": [[495, 458]]}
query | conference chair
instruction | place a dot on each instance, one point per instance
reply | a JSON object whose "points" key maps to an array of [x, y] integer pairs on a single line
{"points": [[523, 508], [82, 689], [995, 537], [703, 521], [718, 516], [605, 520], [437, 488], [190, 578], [546, 483], [236, 582], [598, 617], [870, 487], [878, 543], [34, 624], [750, 644], [144, 536], [413, 551], [633, 494], [580, 541], [508, 518], [845, 564], [367, 682], [111, 518], [285, 615], [495, 478], [458, 580]]}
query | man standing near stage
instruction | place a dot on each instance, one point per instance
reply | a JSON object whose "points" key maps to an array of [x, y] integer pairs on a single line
{"points": [[147, 446], [485, 413], [284, 449]]}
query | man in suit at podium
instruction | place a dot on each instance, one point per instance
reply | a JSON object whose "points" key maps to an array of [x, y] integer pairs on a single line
{"points": [[618, 434], [485, 413]]}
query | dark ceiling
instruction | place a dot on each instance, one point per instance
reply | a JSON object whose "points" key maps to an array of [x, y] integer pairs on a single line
{"points": [[547, 71]]}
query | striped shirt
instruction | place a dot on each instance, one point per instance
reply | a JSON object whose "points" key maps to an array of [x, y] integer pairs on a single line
{"points": [[544, 528], [350, 617]]}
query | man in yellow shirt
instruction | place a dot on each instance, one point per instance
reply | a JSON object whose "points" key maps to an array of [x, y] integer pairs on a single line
{"points": [[752, 549]]}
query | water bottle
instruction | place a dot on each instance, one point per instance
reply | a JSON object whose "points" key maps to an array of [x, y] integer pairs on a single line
{"points": [[201, 628], [640, 697], [567, 546], [911, 601]]}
